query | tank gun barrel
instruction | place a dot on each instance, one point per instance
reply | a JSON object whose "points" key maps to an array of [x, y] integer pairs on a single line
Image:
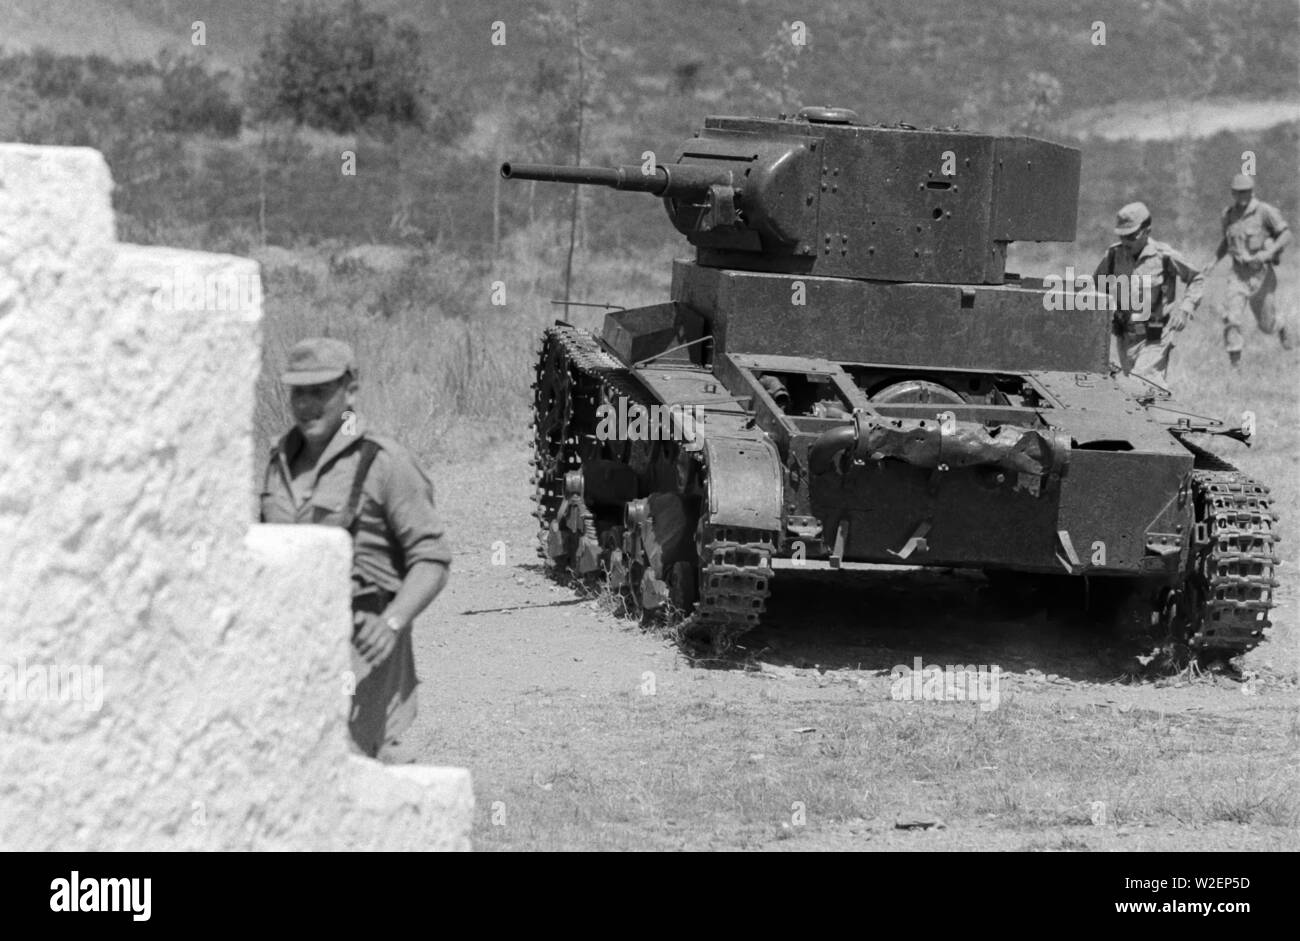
{"points": [[677, 181]]}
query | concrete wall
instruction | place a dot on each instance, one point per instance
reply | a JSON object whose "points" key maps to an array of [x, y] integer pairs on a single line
{"points": [[127, 553]]}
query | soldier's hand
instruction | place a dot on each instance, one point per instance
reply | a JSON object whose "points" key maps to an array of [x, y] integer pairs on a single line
{"points": [[375, 640], [1178, 319]]}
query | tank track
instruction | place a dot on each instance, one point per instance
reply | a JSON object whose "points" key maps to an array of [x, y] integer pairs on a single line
{"points": [[734, 579], [734, 588], [590, 376], [1232, 559]]}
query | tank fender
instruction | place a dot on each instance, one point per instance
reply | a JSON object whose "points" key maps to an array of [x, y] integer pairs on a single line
{"points": [[746, 483]]}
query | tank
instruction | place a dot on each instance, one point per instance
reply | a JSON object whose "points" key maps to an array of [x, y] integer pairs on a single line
{"points": [[845, 377]]}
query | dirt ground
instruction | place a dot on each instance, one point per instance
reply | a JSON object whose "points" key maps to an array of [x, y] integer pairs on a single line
{"points": [[586, 731]]}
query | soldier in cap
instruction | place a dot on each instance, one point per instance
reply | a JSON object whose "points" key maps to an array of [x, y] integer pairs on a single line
{"points": [[330, 469], [1254, 234], [1146, 317]]}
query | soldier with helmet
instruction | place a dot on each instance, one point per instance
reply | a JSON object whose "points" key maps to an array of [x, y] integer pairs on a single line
{"points": [[330, 469], [1146, 319], [1254, 234]]}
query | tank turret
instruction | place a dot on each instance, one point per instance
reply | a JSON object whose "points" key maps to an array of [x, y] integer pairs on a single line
{"points": [[820, 194]]}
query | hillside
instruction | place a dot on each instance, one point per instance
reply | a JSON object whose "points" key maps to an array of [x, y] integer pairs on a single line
{"points": [[914, 60], [1220, 80]]}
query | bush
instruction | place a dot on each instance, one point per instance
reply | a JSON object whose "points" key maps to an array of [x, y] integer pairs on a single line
{"points": [[94, 93], [194, 101], [339, 69]]}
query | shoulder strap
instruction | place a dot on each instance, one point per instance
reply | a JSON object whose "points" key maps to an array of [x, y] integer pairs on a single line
{"points": [[266, 480], [369, 450], [1110, 260]]}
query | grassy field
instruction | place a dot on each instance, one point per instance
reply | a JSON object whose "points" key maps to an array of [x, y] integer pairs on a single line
{"points": [[585, 732], [705, 771]]}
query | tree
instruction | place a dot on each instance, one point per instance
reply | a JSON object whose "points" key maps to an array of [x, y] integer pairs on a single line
{"points": [[567, 95], [338, 69]]}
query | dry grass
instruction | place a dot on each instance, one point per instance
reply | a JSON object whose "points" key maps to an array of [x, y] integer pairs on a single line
{"points": [[434, 350], [697, 772]]}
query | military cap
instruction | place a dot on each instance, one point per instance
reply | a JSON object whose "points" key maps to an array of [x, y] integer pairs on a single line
{"points": [[1131, 218], [318, 359], [1243, 181]]}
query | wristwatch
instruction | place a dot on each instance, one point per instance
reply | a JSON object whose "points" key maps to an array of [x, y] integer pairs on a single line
{"points": [[393, 623]]}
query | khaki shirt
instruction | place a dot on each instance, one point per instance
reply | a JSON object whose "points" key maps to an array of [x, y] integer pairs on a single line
{"points": [[397, 525], [1246, 230], [1165, 266]]}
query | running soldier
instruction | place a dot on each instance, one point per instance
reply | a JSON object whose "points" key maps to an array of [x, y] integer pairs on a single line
{"points": [[1254, 234]]}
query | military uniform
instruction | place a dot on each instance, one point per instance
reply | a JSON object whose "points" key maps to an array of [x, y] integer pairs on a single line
{"points": [[1251, 284], [1142, 332], [372, 486]]}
